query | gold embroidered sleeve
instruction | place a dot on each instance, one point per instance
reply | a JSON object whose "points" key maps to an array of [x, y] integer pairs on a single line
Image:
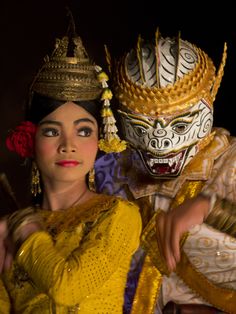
{"points": [[108, 246]]}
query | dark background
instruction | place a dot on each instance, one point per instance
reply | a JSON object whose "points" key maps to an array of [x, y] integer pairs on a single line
{"points": [[28, 29]]}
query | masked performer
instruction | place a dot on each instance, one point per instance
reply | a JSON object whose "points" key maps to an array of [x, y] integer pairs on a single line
{"points": [[181, 171], [72, 252]]}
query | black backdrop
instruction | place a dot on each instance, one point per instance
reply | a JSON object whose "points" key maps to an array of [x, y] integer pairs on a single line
{"points": [[28, 29]]}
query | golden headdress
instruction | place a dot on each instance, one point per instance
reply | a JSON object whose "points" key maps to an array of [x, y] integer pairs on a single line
{"points": [[69, 75], [165, 77]]}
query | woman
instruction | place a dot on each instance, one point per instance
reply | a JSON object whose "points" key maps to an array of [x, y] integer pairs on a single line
{"points": [[71, 254]]}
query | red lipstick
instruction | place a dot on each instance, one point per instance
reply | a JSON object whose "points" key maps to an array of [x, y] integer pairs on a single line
{"points": [[67, 163]]}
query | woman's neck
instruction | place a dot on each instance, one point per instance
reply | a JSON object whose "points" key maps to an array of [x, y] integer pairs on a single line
{"points": [[62, 196]]}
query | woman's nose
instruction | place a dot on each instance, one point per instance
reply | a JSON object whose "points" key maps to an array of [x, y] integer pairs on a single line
{"points": [[67, 146]]}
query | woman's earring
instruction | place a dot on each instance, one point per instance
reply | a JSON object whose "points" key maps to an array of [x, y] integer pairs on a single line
{"points": [[91, 180], [35, 180]]}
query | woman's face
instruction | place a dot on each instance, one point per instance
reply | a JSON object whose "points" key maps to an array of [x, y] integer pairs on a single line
{"points": [[66, 144]]}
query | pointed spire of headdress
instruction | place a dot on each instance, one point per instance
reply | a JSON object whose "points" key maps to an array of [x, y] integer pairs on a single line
{"points": [[108, 59], [139, 57], [157, 35], [177, 56], [220, 73]]}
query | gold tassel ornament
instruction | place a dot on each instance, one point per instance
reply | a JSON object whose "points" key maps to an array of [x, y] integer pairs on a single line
{"points": [[91, 180], [35, 180], [110, 141]]}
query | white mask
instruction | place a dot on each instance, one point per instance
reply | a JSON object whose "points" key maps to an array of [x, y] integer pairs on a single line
{"points": [[168, 143]]}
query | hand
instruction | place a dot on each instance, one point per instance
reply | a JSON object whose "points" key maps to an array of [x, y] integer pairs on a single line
{"points": [[9, 254], [26, 230], [173, 224], [11, 247], [11, 239], [21, 224]]}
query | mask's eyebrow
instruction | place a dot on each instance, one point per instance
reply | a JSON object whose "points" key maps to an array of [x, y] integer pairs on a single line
{"points": [[187, 116], [137, 119]]}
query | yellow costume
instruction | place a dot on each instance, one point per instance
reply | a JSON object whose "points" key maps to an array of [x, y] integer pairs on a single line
{"points": [[78, 264]]}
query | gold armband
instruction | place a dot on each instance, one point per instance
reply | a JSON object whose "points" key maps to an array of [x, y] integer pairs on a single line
{"points": [[223, 217]]}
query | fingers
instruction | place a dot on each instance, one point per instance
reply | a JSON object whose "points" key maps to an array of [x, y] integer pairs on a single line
{"points": [[175, 242], [168, 252], [9, 254], [8, 261], [164, 233], [160, 232], [3, 228], [173, 224]]}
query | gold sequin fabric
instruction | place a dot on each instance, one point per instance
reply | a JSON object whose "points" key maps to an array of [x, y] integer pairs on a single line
{"points": [[80, 264]]}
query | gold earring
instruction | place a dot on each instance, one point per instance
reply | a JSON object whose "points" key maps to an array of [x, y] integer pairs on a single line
{"points": [[91, 180], [35, 180]]}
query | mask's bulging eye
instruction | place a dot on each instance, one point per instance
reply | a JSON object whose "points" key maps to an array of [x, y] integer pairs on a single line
{"points": [[140, 131], [180, 127]]}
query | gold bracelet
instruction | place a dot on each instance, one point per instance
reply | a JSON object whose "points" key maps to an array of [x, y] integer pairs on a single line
{"points": [[223, 217]]}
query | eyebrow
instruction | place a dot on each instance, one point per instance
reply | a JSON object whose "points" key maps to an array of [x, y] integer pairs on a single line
{"points": [[76, 122]]}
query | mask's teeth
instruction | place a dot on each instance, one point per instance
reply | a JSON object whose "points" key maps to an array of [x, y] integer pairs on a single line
{"points": [[171, 162], [151, 162]]}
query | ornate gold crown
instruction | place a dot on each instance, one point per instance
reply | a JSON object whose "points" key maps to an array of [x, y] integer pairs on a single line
{"points": [[201, 82], [68, 75]]}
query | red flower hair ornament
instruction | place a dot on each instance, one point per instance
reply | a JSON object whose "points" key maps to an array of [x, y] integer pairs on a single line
{"points": [[21, 139]]}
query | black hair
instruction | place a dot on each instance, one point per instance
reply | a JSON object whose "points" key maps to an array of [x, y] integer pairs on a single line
{"points": [[40, 106]]}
